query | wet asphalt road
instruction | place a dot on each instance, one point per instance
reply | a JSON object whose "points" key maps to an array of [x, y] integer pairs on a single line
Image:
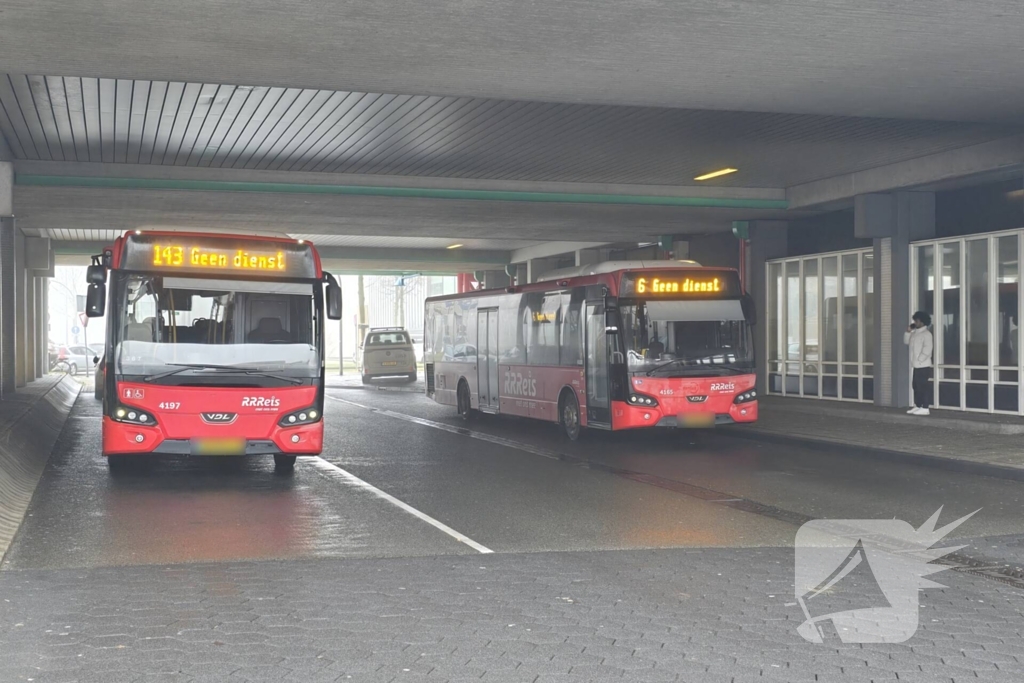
{"points": [[402, 476]]}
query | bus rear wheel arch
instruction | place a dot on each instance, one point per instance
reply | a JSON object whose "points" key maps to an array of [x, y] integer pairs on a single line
{"points": [[569, 414]]}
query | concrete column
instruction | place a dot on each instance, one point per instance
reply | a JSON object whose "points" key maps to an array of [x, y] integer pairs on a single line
{"points": [[493, 279], [536, 267], [8, 289], [41, 338], [7, 312], [893, 221], [29, 350], [20, 302], [586, 257], [768, 240]]}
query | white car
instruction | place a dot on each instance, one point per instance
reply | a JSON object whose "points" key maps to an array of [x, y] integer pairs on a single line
{"points": [[387, 352]]}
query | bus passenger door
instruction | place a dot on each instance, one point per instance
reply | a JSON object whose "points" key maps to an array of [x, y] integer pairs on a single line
{"points": [[487, 358], [596, 367]]}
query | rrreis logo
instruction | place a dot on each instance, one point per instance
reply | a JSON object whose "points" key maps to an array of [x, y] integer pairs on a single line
{"points": [[261, 403], [517, 385]]}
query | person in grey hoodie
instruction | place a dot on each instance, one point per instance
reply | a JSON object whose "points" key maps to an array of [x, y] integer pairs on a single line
{"points": [[919, 338]]}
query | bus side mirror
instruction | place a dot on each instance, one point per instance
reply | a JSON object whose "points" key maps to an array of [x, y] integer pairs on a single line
{"points": [[96, 275], [95, 300], [333, 297], [749, 309]]}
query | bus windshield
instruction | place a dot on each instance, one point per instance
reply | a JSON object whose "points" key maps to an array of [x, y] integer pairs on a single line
{"points": [[175, 329], [687, 338]]}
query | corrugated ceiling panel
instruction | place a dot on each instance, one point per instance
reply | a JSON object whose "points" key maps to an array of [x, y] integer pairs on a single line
{"points": [[255, 127]]}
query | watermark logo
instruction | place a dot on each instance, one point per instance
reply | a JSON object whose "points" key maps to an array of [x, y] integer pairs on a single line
{"points": [[861, 577]]}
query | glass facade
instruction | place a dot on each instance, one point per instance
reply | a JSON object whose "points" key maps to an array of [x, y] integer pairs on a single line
{"points": [[975, 319], [820, 326]]}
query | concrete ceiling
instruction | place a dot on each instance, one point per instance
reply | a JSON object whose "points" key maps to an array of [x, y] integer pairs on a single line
{"points": [[354, 133], [496, 124], [932, 59]]}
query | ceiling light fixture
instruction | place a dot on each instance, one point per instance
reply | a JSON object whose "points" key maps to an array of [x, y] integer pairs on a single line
{"points": [[454, 246], [715, 174]]}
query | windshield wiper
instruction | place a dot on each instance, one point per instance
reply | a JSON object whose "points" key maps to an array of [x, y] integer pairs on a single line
{"points": [[182, 367]]}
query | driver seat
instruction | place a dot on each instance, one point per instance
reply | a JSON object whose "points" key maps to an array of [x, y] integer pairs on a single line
{"points": [[268, 331]]}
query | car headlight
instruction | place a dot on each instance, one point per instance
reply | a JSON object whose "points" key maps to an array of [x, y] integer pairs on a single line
{"points": [[642, 400], [300, 417], [134, 416], [746, 396]]}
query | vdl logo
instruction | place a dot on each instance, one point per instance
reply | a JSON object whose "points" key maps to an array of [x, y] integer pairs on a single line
{"points": [[863, 576]]}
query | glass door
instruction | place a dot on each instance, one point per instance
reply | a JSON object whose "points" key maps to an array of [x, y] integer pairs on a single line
{"points": [[596, 367]]}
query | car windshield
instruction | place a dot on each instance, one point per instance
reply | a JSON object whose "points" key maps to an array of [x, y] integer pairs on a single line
{"points": [[687, 338], [198, 326]]}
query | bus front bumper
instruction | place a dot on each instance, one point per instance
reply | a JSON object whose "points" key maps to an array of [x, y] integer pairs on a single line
{"points": [[128, 439], [638, 417]]}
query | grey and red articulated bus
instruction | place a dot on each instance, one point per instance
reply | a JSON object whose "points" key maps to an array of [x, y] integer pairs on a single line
{"points": [[615, 345], [214, 345]]}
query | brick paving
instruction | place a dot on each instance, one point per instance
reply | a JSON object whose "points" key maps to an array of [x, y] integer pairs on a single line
{"points": [[668, 615]]}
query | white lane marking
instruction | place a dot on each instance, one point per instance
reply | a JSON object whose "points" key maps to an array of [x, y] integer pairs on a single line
{"points": [[335, 471], [482, 436]]}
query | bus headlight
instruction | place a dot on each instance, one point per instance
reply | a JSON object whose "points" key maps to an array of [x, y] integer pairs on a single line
{"points": [[746, 397], [133, 416], [300, 417], [642, 400]]}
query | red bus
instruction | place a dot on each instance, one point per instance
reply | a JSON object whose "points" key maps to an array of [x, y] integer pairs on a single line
{"points": [[214, 345], [615, 345]]}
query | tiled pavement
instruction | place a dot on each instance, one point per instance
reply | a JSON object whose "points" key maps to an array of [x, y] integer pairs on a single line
{"points": [[676, 615], [946, 435]]}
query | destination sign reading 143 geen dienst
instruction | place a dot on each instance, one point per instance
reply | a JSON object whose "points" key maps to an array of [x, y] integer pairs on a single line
{"points": [[242, 257]]}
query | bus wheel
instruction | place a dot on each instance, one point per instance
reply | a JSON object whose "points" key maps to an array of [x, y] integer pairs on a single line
{"points": [[366, 379], [569, 415], [464, 401], [284, 463]]}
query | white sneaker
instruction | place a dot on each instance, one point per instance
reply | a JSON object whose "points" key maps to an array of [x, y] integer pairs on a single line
{"points": [[913, 410], [923, 411]]}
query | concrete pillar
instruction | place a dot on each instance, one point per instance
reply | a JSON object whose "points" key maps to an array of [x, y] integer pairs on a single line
{"points": [[494, 279], [41, 338], [536, 267], [7, 312], [8, 279], [586, 257], [29, 350], [893, 221], [20, 302], [768, 240]]}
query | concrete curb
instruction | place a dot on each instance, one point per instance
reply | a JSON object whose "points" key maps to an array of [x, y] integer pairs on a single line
{"points": [[30, 426], [890, 455]]}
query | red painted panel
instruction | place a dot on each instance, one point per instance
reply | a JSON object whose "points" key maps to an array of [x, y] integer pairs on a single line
{"points": [[177, 412]]}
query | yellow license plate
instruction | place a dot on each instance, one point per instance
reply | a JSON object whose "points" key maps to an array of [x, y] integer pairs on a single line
{"points": [[696, 420], [390, 362], [221, 446]]}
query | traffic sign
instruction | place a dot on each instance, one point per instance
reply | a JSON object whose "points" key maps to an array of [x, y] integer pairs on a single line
{"points": [[75, 330]]}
